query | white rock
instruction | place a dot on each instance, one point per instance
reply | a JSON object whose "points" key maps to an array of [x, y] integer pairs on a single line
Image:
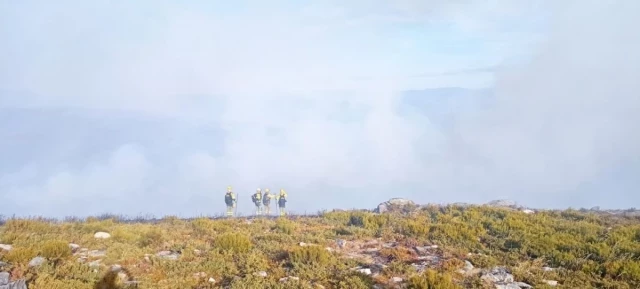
{"points": [[547, 269], [261, 274], [74, 247], [365, 271], [6, 247], [527, 211], [396, 280], [37, 261], [102, 235], [211, 280], [551, 282]]}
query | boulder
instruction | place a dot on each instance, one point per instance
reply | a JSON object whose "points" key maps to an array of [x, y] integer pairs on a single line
{"points": [[394, 204], [502, 204]]}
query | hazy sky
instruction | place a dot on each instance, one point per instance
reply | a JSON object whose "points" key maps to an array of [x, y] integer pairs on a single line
{"points": [[157, 106]]}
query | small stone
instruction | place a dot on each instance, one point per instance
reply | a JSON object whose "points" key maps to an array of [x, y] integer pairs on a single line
{"points": [[4, 278], [200, 275], [341, 243], [551, 282], [547, 269], [211, 280], [302, 244], [468, 266], [37, 261], [5, 247], [365, 271], [396, 280], [95, 263], [261, 274], [97, 253], [102, 235], [74, 247], [523, 285], [329, 249], [285, 279], [197, 252], [527, 211]]}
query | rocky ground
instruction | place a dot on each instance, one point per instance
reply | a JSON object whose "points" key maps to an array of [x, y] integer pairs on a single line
{"points": [[387, 249]]}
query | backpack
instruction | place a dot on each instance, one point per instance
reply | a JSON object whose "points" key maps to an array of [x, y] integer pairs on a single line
{"points": [[266, 199], [228, 199], [256, 197]]}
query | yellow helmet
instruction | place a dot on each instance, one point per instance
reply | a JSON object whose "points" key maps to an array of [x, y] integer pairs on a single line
{"points": [[229, 188], [282, 191], [266, 190], [258, 189]]}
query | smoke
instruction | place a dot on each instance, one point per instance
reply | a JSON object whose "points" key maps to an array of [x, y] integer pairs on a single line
{"points": [[309, 100]]}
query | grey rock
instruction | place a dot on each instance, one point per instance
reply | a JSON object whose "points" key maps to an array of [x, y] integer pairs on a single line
{"points": [[18, 284], [94, 264], [498, 275], [523, 285], [168, 255], [97, 253], [395, 202], [37, 261], [3, 264], [468, 266], [502, 203], [507, 286], [4, 278]]}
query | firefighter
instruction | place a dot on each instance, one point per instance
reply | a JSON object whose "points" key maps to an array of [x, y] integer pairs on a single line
{"points": [[266, 201], [282, 202], [230, 200], [257, 200]]}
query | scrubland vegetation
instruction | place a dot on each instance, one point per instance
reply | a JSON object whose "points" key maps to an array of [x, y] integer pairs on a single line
{"points": [[424, 247]]}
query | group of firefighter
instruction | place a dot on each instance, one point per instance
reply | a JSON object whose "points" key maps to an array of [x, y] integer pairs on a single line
{"points": [[261, 200]]}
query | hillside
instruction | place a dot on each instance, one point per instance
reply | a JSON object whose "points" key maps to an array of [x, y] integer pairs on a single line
{"points": [[407, 246]]}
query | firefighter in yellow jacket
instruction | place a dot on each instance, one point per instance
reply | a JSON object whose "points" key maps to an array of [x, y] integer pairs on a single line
{"points": [[257, 200], [230, 200], [266, 201], [282, 202]]}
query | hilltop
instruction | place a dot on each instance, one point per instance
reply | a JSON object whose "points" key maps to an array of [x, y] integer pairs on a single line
{"points": [[400, 244]]}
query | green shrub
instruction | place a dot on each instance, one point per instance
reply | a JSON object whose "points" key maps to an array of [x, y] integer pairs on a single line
{"points": [[55, 249], [285, 226], [233, 242], [431, 279], [310, 255]]}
